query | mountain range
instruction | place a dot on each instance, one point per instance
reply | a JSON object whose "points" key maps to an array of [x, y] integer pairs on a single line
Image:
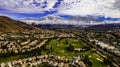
{"points": [[52, 22], [78, 22], [73, 20]]}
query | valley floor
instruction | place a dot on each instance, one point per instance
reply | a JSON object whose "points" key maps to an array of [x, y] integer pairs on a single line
{"points": [[58, 49]]}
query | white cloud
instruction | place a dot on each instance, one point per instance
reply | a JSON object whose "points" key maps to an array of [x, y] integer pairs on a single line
{"points": [[108, 8], [89, 7], [51, 3], [27, 6]]}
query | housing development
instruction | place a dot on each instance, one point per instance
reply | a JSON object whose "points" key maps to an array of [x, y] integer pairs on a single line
{"points": [[59, 33]]}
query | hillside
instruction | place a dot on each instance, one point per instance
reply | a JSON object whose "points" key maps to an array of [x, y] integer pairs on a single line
{"points": [[9, 25]]}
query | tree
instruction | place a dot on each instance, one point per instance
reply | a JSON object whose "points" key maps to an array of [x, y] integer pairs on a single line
{"points": [[70, 48], [93, 42], [106, 61], [87, 61]]}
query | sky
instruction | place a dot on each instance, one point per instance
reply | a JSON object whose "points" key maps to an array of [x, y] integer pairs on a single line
{"points": [[20, 9]]}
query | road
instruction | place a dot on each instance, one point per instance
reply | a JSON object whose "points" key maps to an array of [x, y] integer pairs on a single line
{"points": [[102, 53]]}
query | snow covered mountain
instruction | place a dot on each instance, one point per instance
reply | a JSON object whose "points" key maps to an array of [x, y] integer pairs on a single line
{"points": [[75, 20]]}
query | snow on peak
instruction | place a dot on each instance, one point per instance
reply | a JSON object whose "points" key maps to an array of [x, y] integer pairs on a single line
{"points": [[53, 19]]}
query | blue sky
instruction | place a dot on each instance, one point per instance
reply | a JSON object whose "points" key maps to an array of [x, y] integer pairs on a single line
{"points": [[20, 9]]}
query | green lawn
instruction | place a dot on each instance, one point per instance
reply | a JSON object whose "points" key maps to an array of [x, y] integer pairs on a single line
{"points": [[59, 49], [9, 59], [96, 60]]}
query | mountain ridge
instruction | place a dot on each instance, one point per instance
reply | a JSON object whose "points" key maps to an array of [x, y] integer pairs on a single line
{"points": [[73, 20], [9, 25]]}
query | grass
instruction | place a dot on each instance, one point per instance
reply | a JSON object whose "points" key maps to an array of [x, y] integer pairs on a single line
{"points": [[59, 49], [96, 60], [9, 58]]}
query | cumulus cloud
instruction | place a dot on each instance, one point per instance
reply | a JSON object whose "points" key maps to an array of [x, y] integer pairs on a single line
{"points": [[107, 8], [27, 6]]}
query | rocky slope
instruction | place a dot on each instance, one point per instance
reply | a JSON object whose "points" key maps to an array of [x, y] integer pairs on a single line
{"points": [[9, 25]]}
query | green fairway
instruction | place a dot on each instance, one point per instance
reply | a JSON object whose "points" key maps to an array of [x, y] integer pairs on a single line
{"points": [[58, 48], [96, 60]]}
